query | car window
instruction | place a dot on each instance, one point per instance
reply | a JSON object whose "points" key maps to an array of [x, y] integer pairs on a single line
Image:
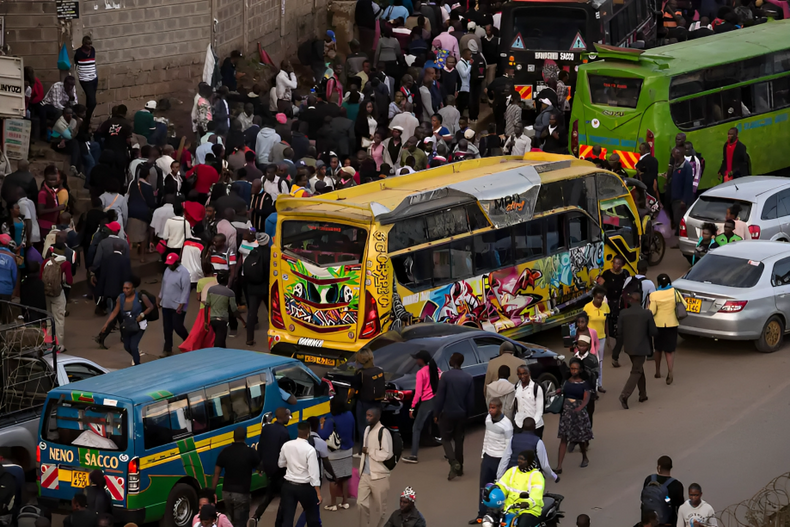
{"points": [[769, 208], [295, 380], [781, 274], [726, 271], [77, 371], [487, 348], [464, 348], [783, 203]]}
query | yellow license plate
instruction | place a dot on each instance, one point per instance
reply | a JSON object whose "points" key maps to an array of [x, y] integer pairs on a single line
{"points": [[693, 305], [79, 479], [321, 361]]}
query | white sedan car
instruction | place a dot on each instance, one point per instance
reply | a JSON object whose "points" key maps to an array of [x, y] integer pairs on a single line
{"points": [[73, 369]]}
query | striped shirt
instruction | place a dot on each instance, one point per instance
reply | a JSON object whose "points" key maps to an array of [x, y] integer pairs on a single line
{"points": [[221, 261], [86, 64]]}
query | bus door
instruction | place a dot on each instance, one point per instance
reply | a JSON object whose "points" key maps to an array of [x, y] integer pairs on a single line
{"points": [[621, 230]]}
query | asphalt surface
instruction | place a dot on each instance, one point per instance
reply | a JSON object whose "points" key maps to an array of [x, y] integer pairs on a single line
{"points": [[723, 421]]}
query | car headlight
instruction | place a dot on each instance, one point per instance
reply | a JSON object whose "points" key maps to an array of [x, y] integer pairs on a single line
{"points": [[488, 521]]}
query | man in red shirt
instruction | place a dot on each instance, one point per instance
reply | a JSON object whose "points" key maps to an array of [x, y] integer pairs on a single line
{"points": [[205, 177], [735, 162], [47, 208]]}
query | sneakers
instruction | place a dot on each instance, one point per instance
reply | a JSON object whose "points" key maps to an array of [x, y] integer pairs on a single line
{"points": [[615, 364], [410, 459]]}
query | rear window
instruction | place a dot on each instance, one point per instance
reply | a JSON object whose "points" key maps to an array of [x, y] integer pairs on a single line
{"points": [[323, 243], [396, 358], [708, 208], [550, 28], [85, 424], [726, 270], [614, 91]]}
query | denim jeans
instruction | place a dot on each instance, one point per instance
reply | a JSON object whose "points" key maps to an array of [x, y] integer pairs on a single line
{"points": [[423, 413], [131, 343], [89, 159], [237, 505]]}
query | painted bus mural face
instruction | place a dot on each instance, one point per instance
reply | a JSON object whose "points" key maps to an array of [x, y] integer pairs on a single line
{"points": [[513, 297], [322, 299]]}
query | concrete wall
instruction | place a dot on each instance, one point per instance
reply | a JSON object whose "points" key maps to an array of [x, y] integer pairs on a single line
{"points": [[149, 49]]}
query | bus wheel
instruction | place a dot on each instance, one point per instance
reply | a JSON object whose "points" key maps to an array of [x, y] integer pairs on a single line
{"points": [[181, 506]]}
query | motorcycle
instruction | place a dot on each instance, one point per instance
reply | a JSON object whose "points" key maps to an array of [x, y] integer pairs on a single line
{"points": [[508, 517], [656, 227]]}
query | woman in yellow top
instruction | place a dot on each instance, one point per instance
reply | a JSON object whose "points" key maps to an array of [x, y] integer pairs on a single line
{"points": [[598, 311], [662, 305]]}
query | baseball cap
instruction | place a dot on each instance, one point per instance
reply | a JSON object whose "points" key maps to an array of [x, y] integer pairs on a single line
{"points": [[281, 118], [150, 105], [469, 134], [399, 128], [171, 259], [114, 226], [349, 170], [319, 164], [5, 239], [321, 187]]}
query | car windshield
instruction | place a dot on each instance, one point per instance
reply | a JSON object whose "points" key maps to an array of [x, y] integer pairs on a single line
{"points": [[396, 358], [709, 208], [726, 270], [85, 424]]}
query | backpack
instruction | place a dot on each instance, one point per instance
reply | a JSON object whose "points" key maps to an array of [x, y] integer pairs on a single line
{"points": [[655, 498], [28, 515], [397, 447], [7, 491], [154, 314], [51, 276], [375, 390], [635, 284], [254, 266], [479, 66]]}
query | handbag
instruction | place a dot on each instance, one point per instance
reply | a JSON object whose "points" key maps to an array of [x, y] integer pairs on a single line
{"points": [[161, 247], [555, 406], [64, 63], [333, 441], [129, 325], [680, 308]]}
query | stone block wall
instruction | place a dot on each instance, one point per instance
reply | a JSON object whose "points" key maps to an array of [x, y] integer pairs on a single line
{"points": [[150, 49]]}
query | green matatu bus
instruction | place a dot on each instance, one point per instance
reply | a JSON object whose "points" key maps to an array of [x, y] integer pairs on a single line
{"points": [[701, 87]]}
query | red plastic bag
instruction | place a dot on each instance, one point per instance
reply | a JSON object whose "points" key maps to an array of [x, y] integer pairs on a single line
{"points": [[353, 484]]}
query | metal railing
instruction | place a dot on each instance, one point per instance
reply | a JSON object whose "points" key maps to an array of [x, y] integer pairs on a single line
{"points": [[768, 508]]}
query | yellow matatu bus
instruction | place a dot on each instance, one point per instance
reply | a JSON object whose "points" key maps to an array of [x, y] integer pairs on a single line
{"points": [[504, 244]]}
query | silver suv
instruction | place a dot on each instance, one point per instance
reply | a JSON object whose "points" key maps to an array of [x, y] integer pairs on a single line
{"points": [[765, 207]]}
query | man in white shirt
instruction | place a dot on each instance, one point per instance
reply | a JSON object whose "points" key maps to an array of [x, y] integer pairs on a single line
{"points": [[406, 120], [527, 440], [28, 210], [302, 478], [176, 229], [496, 440], [374, 476], [161, 215], [320, 175], [529, 401], [518, 143], [285, 82], [273, 184], [166, 159], [696, 510]]}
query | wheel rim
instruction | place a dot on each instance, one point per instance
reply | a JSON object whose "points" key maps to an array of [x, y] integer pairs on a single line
{"points": [[548, 388], [182, 511], [772, 333]]}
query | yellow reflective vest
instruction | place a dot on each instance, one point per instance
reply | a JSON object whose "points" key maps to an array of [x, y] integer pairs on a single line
{"points": [[514, 482]]}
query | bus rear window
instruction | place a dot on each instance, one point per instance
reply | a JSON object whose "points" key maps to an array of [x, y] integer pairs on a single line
{"points": [[552, 29], [709, 208], [84, 424], [323, 243], [614, 91]]}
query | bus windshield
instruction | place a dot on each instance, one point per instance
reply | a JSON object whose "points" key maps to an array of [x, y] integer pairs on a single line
{"points": [[323, 243], [84, 424], [621, 92], [552, 28]]}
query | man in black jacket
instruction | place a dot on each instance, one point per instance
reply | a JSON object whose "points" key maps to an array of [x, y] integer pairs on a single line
{"points": [[454, 403], [735, 161], [637, 327], [273, 437]]}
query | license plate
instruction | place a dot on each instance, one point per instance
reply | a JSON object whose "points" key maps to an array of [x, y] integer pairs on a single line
{"points": [[321, 361], [79, 479], [693, 305]]}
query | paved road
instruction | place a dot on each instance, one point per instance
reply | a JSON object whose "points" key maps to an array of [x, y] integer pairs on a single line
{"points": [[723, 422]]}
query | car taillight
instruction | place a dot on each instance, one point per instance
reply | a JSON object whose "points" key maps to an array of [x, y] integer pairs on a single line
{"points": [[733, 306], [575, 138], [754, 231], [276, 314], [650, 141], [133, 475], [371, 326], [38, 454], [38, 463], [682, 229], [398, 395]]}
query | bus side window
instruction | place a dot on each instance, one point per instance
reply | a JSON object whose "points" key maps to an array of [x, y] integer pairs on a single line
{"points": [[293, 379], [781, 90], [529, 240], [220, 408], [197, 411], [578, 230], [493, 250], [555, 234], [461, 259], [156, 425], [180, 422], [256, 389], [238, 400]]}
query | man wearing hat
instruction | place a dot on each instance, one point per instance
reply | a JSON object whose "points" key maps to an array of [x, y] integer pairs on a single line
{"points": [[145, 126], [174, 300], [407, 514], [320, 176]]}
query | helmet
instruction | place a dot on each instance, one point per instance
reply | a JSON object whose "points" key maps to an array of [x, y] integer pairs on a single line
{"points": [[495, 498]]}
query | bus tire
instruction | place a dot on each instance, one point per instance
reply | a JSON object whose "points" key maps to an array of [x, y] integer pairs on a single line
{"points": [[181, 506]]}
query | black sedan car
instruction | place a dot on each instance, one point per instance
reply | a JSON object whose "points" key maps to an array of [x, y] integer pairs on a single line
{"points": [[393, 352]]}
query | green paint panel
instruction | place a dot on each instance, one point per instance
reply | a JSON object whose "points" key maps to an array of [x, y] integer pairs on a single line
{"points": [[161, 394], [82, 396]]}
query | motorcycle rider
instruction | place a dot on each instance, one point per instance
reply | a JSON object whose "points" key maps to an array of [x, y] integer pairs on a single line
{"points": [[524, 478]]}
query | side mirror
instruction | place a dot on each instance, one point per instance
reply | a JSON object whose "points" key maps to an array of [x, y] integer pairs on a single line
{"points": [[266, 418]]}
